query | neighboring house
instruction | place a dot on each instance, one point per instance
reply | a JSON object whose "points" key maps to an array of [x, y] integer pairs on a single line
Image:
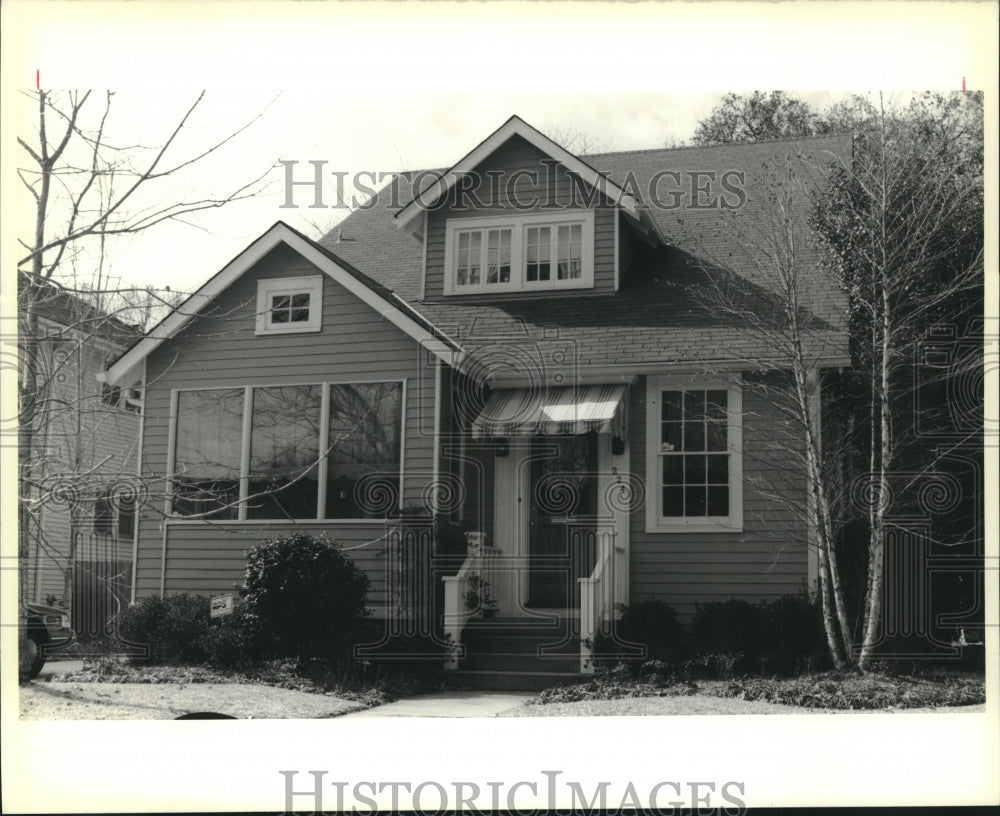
{"points": [[546, 373], [83, 460]]}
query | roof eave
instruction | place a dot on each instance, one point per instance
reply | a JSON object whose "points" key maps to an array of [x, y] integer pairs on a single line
{"points": [[385, 302], [409, 217]]}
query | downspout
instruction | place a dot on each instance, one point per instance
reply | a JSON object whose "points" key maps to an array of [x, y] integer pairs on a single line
{"points": [[437, 425]]}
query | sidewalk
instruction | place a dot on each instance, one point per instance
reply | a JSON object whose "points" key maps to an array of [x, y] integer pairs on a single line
{"points": [[448, 704], [54, 668]]}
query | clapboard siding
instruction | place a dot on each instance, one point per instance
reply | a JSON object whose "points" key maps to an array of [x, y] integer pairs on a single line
{"points": [[517, 155], [209, 560], [767, 560], [220, 349], [628, 245], [90, 448]]}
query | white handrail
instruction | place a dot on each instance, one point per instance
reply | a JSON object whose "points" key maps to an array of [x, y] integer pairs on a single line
{"points": [[478, 563], [597, 596]]}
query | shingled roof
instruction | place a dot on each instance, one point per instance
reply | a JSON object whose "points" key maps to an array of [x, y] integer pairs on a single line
{"points": [[658, 316]]}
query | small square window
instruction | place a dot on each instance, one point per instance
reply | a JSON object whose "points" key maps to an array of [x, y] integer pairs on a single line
{"points": [[289, 305]]}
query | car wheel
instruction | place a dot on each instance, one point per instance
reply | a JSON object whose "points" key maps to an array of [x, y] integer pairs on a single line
{"points": [[32, 656]]}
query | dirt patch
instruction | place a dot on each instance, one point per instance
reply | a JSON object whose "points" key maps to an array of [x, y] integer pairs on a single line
{"points": [[141, 701]]}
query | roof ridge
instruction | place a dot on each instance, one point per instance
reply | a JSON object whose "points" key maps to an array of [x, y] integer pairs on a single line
{"points": [[678, 148]]}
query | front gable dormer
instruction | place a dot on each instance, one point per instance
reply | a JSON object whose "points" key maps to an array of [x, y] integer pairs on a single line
{"points": [[520, 217]]}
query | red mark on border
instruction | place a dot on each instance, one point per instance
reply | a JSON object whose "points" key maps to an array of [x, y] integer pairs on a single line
{"points": [[963, 84]]}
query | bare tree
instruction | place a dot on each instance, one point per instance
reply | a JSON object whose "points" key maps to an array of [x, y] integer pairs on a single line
{"points": [[772, 299], [87, 190], [904, 229], [901, 229]]}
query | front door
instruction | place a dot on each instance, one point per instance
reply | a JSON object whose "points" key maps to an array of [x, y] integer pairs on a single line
{"points": [[562, 504]]}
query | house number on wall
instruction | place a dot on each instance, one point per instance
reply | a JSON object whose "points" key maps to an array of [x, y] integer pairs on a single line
{"points": [[622, 490]]}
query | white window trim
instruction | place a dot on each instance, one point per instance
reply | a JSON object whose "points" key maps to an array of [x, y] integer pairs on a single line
{"points": [[269, 287], [325, 386], [657, 523], [518, 224]]}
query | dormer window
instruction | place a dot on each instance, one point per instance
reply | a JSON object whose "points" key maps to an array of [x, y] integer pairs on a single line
{"points": [[289, 305], [519, 253]]}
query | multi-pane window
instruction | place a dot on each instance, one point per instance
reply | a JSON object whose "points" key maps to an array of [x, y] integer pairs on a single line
{"points": [[694, 451], [569, 248], [298, 464], [128, 399], [498, 256], [289, 305], [539, 258], [488, 249], [470, 251], [290, 308], [114, 514], [503, 254]]}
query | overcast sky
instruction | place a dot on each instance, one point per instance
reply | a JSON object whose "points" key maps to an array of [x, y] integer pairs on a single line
{"points": [[385, 88], [353, 132]]}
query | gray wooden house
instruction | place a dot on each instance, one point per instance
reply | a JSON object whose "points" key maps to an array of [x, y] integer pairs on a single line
{"points": [[526, 344]]}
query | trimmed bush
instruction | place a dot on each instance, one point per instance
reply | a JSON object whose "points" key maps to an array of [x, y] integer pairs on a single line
{"points": [[653, 627], [781, 637], [654, 624], [171, 627], [227, 642], [303, 597]]}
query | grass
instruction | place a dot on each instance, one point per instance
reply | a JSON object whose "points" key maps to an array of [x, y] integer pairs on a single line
{"points": [[826, 690], [872, 691], [366, 684]]}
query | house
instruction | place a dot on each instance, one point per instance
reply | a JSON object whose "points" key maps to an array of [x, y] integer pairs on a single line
{"points": [[79, 494], [524, 343]]}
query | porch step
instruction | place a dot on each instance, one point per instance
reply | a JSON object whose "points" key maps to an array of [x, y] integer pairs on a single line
{"points": [[542, 645], [512, 680], [499, 627], [543, 650], [525, 662]]}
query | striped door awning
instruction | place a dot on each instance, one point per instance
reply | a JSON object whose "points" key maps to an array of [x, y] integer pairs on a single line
{"points": [[568, 410]]}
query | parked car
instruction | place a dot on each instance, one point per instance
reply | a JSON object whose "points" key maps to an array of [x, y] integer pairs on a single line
{"points": [[47, 626]]}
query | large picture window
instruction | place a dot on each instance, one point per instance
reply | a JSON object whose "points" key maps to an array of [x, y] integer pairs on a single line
{"points": [[302, 452], [694, 432], [363, 463], [284, 452], [504, 253], [206, 479]]}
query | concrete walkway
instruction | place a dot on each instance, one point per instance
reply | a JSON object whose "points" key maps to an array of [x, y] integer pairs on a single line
{"points": [[448, 704], [55, 668]]}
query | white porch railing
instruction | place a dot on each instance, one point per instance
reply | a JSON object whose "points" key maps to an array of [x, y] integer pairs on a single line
{"points": [[600, 593], [479, 563]]}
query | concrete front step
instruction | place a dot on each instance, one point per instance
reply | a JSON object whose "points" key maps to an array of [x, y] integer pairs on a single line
{"points": [[540, 645], [504, 627], [512, 680], [500, 662], [520, 646]]}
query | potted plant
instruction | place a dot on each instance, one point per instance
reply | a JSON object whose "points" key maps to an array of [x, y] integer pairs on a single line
{"points": [[478, 598], [475, 541]]}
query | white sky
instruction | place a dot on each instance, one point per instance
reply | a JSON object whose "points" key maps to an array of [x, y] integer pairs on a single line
{"points": [[391, 86], [353, 132]]}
